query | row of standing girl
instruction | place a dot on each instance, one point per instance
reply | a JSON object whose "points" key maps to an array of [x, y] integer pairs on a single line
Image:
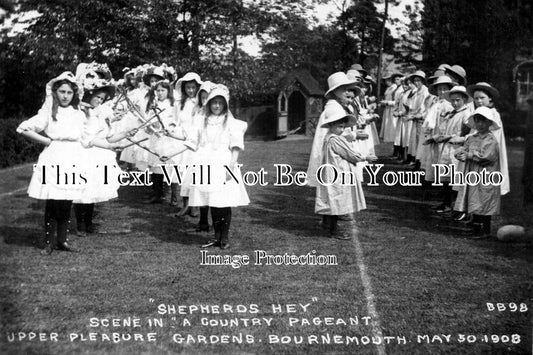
{"points": [[188, 122], [78, 137], [454, 125]]}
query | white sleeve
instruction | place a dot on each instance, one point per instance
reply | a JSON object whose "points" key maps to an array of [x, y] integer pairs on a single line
{"points": [[39, 122]]}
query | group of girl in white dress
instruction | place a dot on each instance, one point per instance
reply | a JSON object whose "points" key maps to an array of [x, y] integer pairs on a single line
{"points": [[181, 131], [449, 124], [164, 127]]}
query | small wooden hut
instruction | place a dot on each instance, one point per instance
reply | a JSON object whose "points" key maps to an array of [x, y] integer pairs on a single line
{"points": [[300, 103]]}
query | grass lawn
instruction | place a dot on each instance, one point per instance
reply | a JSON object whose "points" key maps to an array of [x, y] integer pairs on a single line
{"points": [[428, 285]]}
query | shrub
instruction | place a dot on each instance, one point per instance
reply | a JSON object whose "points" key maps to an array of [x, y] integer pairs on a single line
{"points": [[15, 149]]}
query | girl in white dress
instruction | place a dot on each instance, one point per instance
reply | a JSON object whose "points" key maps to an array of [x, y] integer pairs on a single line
{"points": [[390, 122], [121, 108], [415, 115], [198, 119], [161, 100], [187, 89], [62, 122], [137, 114], [221, 141], [103, 176]]}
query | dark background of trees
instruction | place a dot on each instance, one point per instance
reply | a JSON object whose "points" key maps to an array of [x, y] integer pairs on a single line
{"points": [[190, 35], [484, 36]]}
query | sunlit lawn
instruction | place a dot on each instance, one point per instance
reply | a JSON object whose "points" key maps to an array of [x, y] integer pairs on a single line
{"points": [[425, 277]]}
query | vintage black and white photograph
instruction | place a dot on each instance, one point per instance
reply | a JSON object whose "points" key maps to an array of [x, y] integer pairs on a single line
{"points": [[266, 177]]}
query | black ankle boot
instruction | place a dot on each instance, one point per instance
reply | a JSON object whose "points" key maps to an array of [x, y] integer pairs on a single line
{"points": [[324, 223], [174, 194], [157, 187], [224, 234], [202, 228], [185, 209], [203, 224], [62, 241], [46, 242], [486, 226], [88, 218], [216, 241], [165, 189], [476, 232], [79, 211], [394, 151], [461, 217], [335, 231]]}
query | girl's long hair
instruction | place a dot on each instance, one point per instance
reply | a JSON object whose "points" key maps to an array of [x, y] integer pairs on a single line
{"points": [[151, 94], [199, 95], [127, 82], [75, 98], [207, 112], [184, 96]]}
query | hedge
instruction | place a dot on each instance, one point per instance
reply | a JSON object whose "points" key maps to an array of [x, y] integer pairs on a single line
{"points": [[15, 149]]}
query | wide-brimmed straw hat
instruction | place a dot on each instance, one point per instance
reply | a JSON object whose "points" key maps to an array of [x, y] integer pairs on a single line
{"points": [[485, 87], [459, 89], [338, 113], [67, 75], [127, 72], [155, 71], [206, 86], [219, 90], [100, 70], [442, 80], [169, 72], [101, 85], [353, 74], [391, 75], [95, 76], [436, 74], [459, 71], [359, 68], [337, 80], [369, 80], [419, 73], [486, 113], [164, 81], [141, 70], [190, 76]]}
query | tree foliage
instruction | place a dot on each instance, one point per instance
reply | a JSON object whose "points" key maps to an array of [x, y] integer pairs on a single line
{"points": [[191, 35], [409, 47], [364, 23], [486, 37]]}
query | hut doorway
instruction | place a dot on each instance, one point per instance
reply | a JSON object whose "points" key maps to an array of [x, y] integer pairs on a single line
{"points": [[296, 112], [299, 103]]}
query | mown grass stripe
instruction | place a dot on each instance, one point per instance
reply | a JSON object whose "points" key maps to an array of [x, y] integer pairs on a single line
{"points": [[5, 194], [367, 290]]}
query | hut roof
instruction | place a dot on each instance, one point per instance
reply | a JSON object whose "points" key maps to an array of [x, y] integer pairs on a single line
{"points": [[307, 81]]}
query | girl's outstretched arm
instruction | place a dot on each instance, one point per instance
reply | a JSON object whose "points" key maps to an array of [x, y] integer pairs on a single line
{"points": [[36, 137]]}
